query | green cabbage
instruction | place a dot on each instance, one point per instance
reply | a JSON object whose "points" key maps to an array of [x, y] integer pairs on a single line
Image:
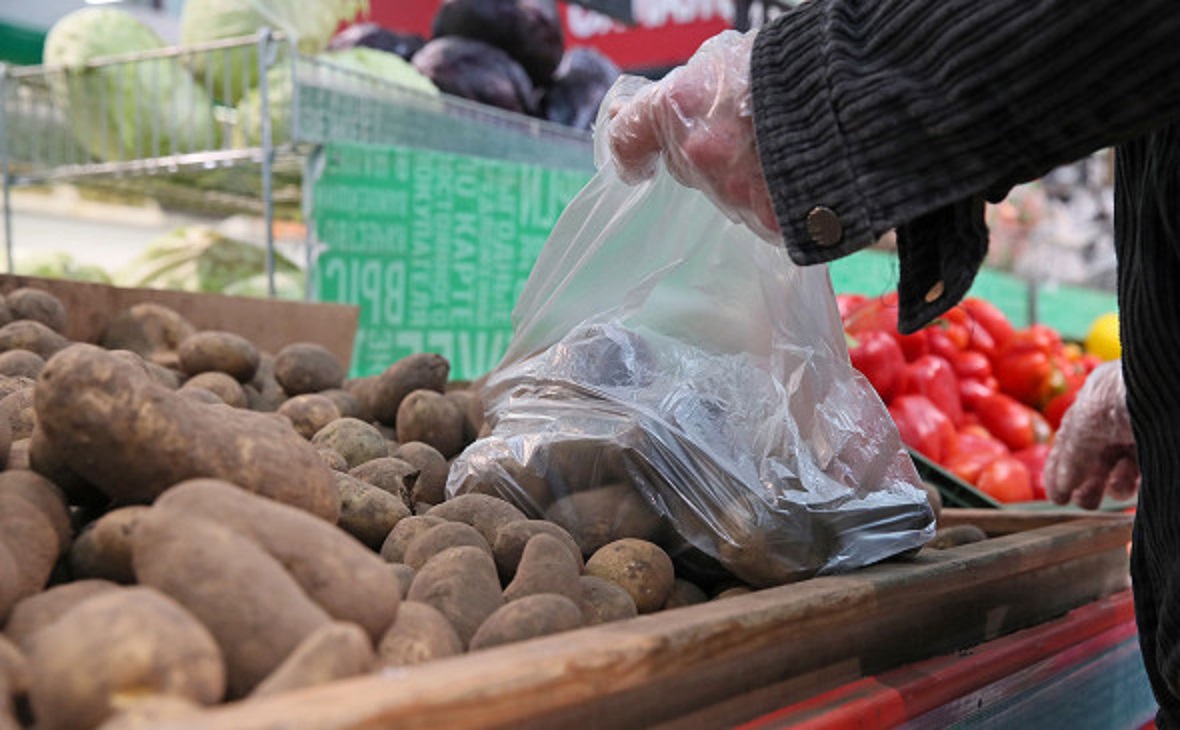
{"points": [[128, 110], [386, 66], [310, 23]]}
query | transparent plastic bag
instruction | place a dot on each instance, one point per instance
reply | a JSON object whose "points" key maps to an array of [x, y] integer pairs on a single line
{"points": [[674, 378]]}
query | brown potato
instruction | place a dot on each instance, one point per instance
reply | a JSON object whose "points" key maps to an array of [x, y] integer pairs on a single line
{"points": [[309, 413], [427, 416], [431, 483], [405, 577], [201, 395], [45, 460], [420, 371], [484, 513], [31, 538], [305, 367], [264, 392], [546, 566], [21, 362], [14, 667], [45, 496], [390, 474], [685, 593], [368, 513], [732, 592], [37, 305], [642, 568], [5, 441], [393, 550], [11, 583], [18, 454], [334, 570], [461, 583], [42, 609], [152, 330], [103, 548], [333, 459], [420, 634], [356, 440], [949, 537], [133, 640], [255, 610], [934, 497], [224, 386], [603, 601], [512, 537], [345, 402], [133, 439], [442, 537], [527, 618], [18, 409], [35, 337], [144, 713], [364, 392], [471, 406], [336, 651], [217, 351], [10, 384], [600, 516]]}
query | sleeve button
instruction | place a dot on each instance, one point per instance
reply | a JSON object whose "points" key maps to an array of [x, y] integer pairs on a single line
{"points": [[935, 292], [823, 225]]}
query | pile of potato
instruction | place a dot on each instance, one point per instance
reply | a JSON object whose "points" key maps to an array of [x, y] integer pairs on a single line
{"points": [[185, 520]]}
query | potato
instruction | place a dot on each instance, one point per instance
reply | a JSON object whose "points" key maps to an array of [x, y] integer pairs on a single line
{"points": [[420, 371], [527, 618], [364, 392], [599, 516], [255, 610], [133, 439], [144, 713], [21, 362], [429, 417], [461, 583], [46, 461], [345, 402], [5, 441], [684, 593], [133, 640], [10, 384], [602, 601], [45, 496], [484, 513], [18, 454], [405, 577], [31, 538], [442, 537], [264, 392], [14, 667], [368, 513], [512, 537], [471, 406], [17, 409], [934, 497], [334, 570], [393, 550], [42, 609], [305, 367], [103, 548], [392, 475], [949, 537], [546, 566], [356, 440], [309, 413], [642, 568], [492, 469], [420, 634], [333, 459], [223, 386], [431, 482], [217, 351], [152, 330], [336, 651], [32, 336], [201, 395], [37, 305], [11, 582], [732, 592]]}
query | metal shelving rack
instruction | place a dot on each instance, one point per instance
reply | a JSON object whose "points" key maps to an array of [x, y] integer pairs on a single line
{"points": [[225, 160]]}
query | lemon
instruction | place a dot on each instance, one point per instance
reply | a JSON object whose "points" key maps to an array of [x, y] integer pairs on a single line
{"points": [[1103, 337]]}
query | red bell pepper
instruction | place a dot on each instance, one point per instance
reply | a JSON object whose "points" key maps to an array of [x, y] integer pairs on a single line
{"points": [[879, 358], [972, 389], [1007, 479], [971, 364], [974, 449], [989, 316], [1034, 458], [923, 427], [1055, 409], [880, 314], [933, 377], [1012, 422], [846, 303]]}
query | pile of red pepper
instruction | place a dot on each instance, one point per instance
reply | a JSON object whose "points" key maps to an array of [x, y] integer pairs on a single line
{"points": [[970, 391]]}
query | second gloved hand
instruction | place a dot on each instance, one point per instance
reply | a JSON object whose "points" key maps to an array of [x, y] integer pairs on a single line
{"points": [[700, 118], [1094, 451]]}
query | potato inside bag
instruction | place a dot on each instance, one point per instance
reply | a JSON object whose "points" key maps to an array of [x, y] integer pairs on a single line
{"points": [[673, 377]]}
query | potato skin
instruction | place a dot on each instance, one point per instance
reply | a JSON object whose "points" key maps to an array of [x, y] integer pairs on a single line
{"points": [[603, 601], [35, 337], [393, 550], [546, 566], [45, 496], [217, 351], [37, 305], [420, 371], [460, 583], [133, 439], [527, 618], [128, 640], [334, 570], [599, 516], [642, 568], [31, 539], [21, 362], [309, 413], [17, 409], [388, 474], [103, 548], [354, 439], [368, 513], [442, 537], [222, 385], [512, 538], [336, 651], [427, 416], [430, 485], [152, 330], [484, 513], [305, 367], [255, 610], [42, 609], [420, 634], [46, 461]]}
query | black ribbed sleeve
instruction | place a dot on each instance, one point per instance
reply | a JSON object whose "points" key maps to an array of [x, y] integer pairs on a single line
{"points": [[907, 114]]}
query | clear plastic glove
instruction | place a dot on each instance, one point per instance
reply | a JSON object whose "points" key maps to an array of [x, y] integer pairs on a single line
{"points": [[1094, 452], [701, 119]]}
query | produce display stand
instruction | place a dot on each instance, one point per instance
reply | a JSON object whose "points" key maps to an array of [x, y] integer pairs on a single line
{"points": [[729, 661]]}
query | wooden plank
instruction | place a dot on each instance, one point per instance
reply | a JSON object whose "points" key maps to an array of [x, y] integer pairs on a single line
{"points": [[268, 323], [652, 669], [1005, 522]]}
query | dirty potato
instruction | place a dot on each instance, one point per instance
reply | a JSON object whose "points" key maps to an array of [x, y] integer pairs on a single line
{"points": [[305, 367], [218, 351]]}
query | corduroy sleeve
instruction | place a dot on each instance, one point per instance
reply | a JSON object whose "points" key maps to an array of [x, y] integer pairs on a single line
{"points": [[879, 114]]}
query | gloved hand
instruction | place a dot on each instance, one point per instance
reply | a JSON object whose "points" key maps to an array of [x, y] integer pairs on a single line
{"points": [[1094, 451], [700, 118]]}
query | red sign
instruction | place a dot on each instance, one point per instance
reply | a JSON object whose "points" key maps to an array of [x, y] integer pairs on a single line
{"points": [[666, 33]]}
